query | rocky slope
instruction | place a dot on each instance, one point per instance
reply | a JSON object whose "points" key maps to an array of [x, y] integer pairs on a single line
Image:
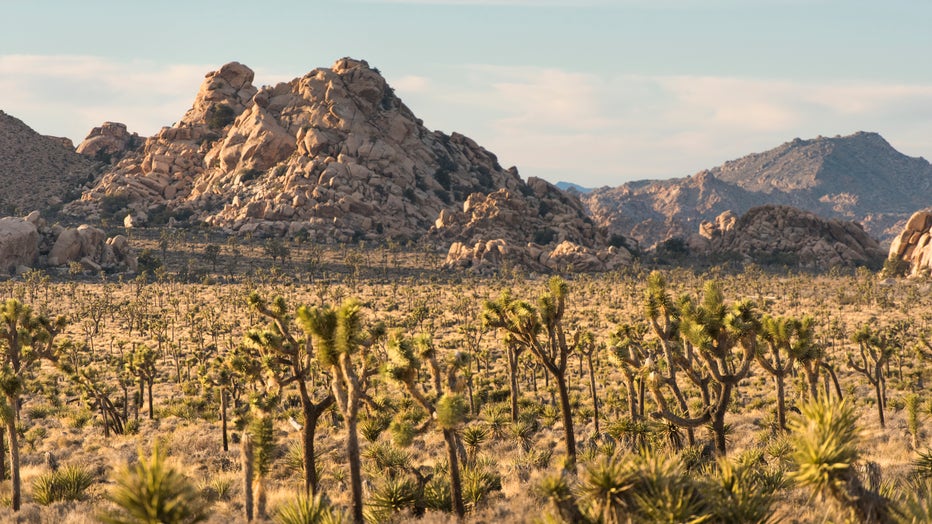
{"points": [[334, 154], [858, 177], [38, 171], [785, 235]]}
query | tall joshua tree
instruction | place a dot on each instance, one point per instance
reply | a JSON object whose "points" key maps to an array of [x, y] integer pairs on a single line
{"points": [[341, 347], [874, 351], [786, 340], [25, 338], [445, 402], [541, 330], [290, 360], [713, 345]]}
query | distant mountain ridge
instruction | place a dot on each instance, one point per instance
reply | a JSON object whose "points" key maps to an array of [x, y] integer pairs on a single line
{"points": [[859, 177]]}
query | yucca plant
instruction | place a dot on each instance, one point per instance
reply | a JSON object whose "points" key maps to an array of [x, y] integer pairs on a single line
{"points": [[479, 480], [743, 490], [666, 492], [606, 487], [916, 502], [304, 509], [387, 459], [825, 439], [473, 436], [153, 492], [556, 489], [922, 466], [393, 495], [67, 484]]}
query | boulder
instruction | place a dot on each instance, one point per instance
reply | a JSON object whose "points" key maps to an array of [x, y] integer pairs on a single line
{"points": [[913, 245], [19, 241]]}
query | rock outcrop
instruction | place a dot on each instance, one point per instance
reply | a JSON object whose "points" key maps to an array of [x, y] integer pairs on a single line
{"points": [[335, 155], [32, 242], [109, 142], [858, 177], [19, 242], [494, 229], [787, 236], [38, 171], [914, 244]]}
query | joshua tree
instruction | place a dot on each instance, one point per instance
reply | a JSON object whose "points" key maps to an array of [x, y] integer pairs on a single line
{"points": [[786, 340], [141, 363], [25, 338], [584, 342], [629, 350], [714, 345], [540, 330], [875, 349], [341, 347], [445, 404], [290, 360]]}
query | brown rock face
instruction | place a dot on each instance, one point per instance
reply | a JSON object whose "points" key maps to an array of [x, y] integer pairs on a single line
{"points": [[19, 240], [788, 236], [914, 244]]}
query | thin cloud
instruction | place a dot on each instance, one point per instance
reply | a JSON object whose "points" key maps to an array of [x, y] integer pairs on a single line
{"points": [[606, 129]]}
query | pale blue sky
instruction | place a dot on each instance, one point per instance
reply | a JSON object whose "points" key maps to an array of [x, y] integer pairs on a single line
{"points": [[597, 92]]}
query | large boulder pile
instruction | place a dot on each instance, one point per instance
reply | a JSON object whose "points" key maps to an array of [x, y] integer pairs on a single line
{"points": [[914, 244], [544, 229], [335, 156], [787, 236], [32, 242]]}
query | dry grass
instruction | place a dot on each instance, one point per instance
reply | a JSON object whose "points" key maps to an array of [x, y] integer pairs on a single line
{"points": [[392, 284]]}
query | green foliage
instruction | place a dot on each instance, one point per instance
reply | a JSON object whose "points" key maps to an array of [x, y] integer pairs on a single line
{"points": [[452, 410], [66, 484], [825, 439], [153, 492], [302, 509], [219, 116], [262, 433], [393, 495], [479, 481], [743, 491]]}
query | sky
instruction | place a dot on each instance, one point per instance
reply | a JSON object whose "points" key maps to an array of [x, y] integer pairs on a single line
{"points": [[596, 92]]}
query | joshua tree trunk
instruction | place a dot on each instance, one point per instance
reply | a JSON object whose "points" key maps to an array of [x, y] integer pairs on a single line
{"points": [[456, 488], [14, 462], [247, 460], [595, 399], [151, 410], [513, 378], [567, 410], [223, 418]]}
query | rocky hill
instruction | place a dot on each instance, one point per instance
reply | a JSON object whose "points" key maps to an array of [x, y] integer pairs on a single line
{"points": [[334, 155], [38, 171], [858, 177], [784, 235]]}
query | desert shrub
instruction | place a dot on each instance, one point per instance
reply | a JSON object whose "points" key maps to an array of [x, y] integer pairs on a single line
{"points": [[66, 484], [219, 116], [544, 236], [148, 261], [303, 509], [153, 492]]}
